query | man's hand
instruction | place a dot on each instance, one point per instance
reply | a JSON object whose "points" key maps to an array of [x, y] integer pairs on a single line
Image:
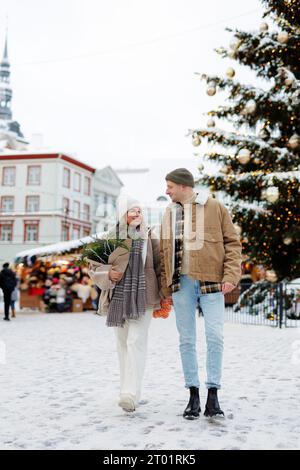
{"points": [[227, 287], [114, 275]]}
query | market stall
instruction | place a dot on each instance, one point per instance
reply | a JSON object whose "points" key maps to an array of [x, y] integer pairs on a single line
{"points": [[52, 280]]}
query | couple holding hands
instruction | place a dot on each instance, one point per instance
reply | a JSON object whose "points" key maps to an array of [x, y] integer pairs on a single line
{"points": [[196, 257]]}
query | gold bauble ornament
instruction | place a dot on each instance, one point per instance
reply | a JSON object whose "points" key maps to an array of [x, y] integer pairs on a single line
{"points": [[263, 27], [289, 81], [272, 194], [244, 156], [287, 240], [271, 275], [283, 37], [250, 107], [211, 123], [211, 88], [256, 160], [294, 141], [196, 141], [230, 72]]}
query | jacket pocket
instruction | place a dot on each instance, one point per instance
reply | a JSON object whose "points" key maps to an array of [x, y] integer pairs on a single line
{"points": [[210, 258], [214, 236]]}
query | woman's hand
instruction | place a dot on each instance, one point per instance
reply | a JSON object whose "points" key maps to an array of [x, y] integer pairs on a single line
{"points": [[114, 275]]}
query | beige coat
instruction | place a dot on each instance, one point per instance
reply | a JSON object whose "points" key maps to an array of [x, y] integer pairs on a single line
{"points": [[119, 259], [215, 250]]}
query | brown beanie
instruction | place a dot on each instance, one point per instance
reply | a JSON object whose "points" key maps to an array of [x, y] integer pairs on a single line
{"points": [[181, 176]]}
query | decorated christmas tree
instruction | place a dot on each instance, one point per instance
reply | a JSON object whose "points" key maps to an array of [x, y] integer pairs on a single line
{"points": [[259, 159]]}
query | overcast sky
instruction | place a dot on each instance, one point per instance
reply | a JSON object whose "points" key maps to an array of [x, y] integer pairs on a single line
{"points": [[113, 82]]}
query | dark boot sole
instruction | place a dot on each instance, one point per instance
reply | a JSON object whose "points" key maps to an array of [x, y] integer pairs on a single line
{"points": [[214, 415], [191, 417]]}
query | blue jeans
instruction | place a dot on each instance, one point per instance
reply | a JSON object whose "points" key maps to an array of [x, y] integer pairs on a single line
{"points": [[213, 307]]}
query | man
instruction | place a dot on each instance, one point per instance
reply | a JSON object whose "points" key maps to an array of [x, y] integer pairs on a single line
{"points": [[200, 258], [8, 282]]}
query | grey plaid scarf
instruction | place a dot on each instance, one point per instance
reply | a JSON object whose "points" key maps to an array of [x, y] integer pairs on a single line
{"points": [[129, 296], [206, 287]]}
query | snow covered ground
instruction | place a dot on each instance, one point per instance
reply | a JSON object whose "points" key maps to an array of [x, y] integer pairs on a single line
{"points": [[59, 387]]}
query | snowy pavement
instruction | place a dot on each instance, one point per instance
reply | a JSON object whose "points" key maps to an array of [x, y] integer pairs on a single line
{"points": [[59, 388]]}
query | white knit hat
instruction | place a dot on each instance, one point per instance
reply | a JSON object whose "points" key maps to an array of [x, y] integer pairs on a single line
{"points": [[125, 203]]}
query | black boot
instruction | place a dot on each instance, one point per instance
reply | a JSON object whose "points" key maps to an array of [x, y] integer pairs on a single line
{"points": [[193, 409], [212, 407]]}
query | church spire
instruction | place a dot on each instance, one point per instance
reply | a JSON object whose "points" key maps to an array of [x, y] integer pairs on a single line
{"points": [[5, 61], [5, 55], [5, 89], [11, 136]]}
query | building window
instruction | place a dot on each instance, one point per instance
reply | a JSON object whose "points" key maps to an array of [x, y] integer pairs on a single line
{"points": [[34, 175], [105, 199], [66, 178], [86, 212], [9, 176], [65, 232], [77, 182], [31, 232], [110, 206], [66, 206], [100, 204], [87, 186], [76, 232], [32, 203], [86, 232], [6, 230], [76, 209], [7, 203]]}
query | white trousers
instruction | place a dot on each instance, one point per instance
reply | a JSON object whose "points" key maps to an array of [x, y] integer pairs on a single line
{"points": [[132, 352]]}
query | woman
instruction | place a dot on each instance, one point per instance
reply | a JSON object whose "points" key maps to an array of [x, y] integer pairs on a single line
{"points": [[13, 299], [129, 294]]}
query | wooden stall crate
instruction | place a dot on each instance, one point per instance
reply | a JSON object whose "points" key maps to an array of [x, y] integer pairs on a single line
{"points": [[77, 305], [88, 304], [29, 301]]}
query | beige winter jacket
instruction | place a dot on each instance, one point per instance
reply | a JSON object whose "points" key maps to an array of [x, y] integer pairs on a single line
{"points": [[214, 248]]}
